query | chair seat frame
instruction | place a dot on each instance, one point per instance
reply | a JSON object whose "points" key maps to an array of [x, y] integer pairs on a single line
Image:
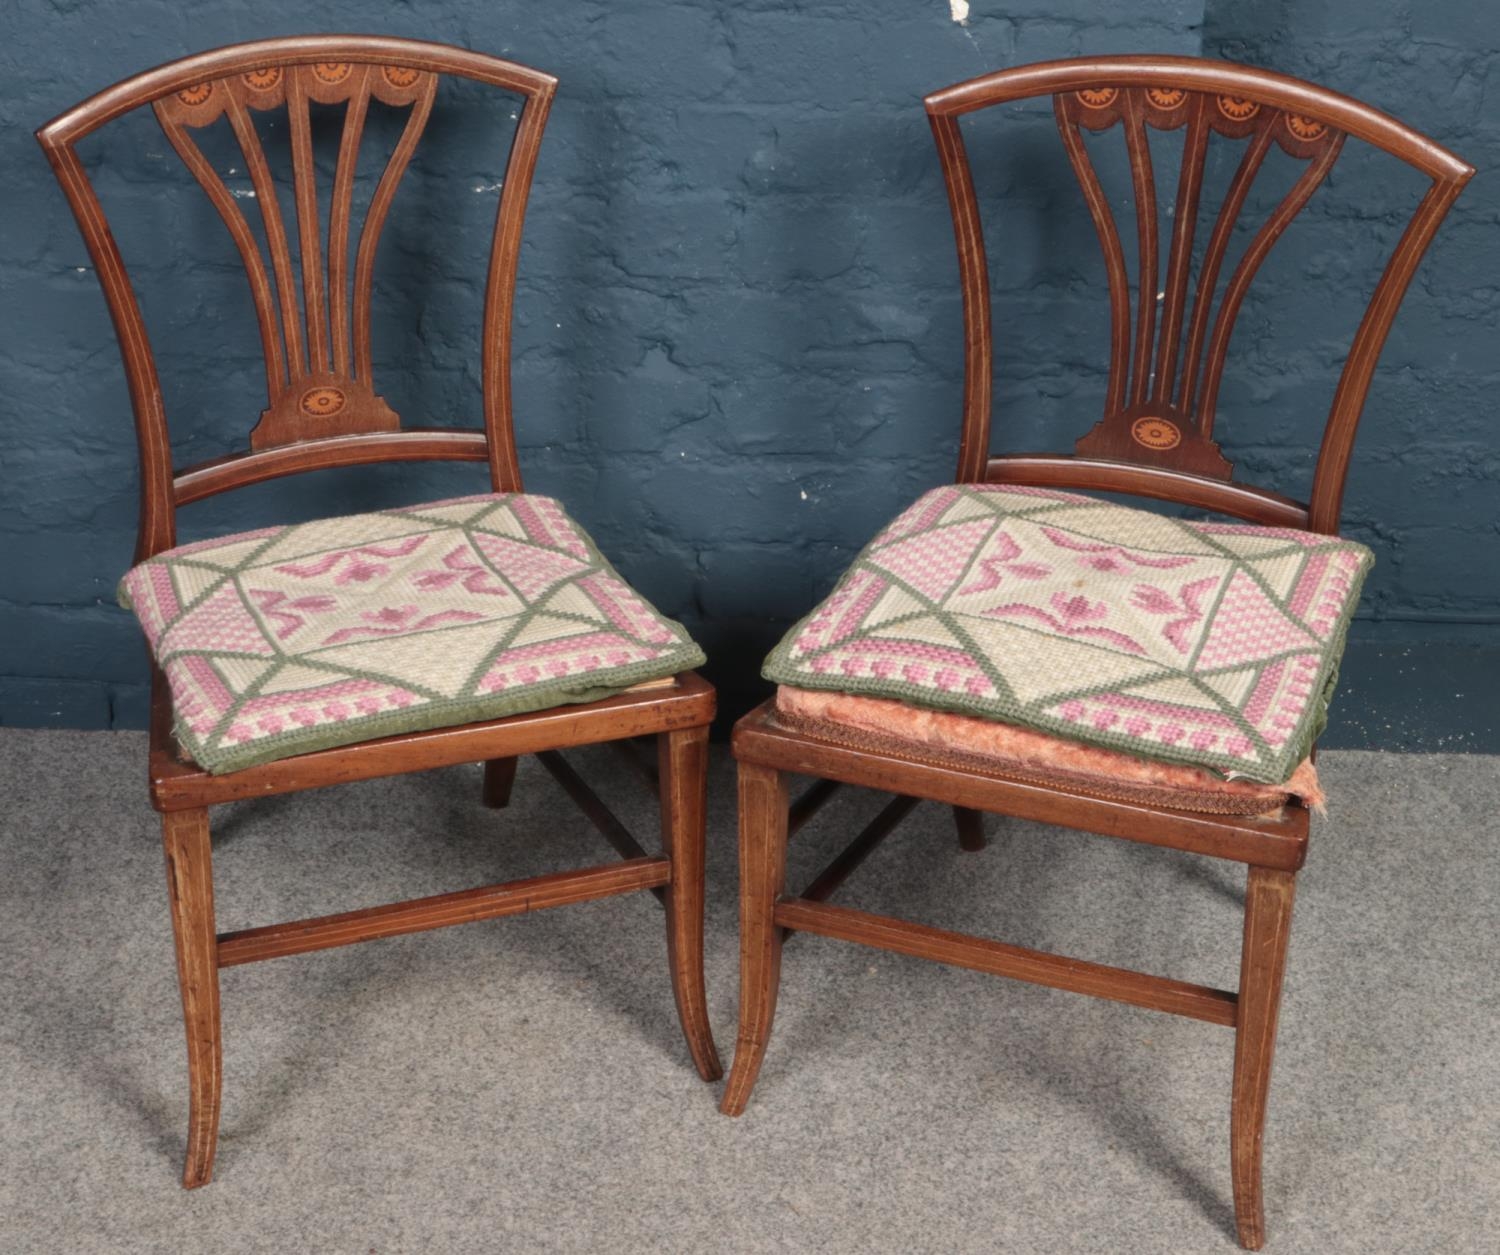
{"points": [[1272, 847]]}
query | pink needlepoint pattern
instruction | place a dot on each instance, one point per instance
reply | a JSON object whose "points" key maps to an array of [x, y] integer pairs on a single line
{"points": [[285, 640], [1205, 643]]}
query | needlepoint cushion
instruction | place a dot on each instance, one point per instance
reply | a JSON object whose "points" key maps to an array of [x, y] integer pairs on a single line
{"points": [[291, 639], [1212, 644]]}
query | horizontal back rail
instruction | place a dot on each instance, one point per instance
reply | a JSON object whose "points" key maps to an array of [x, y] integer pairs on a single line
{"points": [[237, 470], [1243, 501]]}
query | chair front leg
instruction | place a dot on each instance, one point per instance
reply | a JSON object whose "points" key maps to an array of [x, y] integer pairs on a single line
{"points": [[499, 776], [763, 838], [190, 889], [683, 776], [1268, 922]]}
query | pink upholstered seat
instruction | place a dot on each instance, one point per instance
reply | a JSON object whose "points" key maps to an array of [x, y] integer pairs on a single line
{"points": [[1022, 754]]}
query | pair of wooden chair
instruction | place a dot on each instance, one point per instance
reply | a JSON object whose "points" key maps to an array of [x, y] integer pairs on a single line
{"points": [[1155, 440]]}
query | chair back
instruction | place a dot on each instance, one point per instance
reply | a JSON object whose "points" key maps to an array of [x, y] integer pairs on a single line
{"points": [[312, 282], [1169, 344]]}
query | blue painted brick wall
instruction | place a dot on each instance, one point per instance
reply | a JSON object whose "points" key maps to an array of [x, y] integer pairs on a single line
{"points": [[1425, 489], [738, 344], [1423, 668]]}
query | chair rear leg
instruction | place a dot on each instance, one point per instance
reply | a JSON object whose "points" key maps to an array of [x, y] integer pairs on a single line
{"points": [[970, 828], [763, 838], [190, 890], [683, 778], [1268, 921], [499, 776]]}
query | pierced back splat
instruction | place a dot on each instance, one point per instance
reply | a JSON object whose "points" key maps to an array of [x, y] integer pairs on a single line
{"points": [[1161, 419], [314, 389], [313, 315], [1167, 355]]}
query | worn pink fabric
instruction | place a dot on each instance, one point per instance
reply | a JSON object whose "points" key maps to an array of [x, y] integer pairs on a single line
{"points": [[1018, 749]]}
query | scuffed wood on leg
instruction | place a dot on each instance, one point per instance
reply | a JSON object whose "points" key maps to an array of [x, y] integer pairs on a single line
{"points": [[499, 777], [1268, 921], [763, 838], [191, 893], [970, 828], [683, 776]]}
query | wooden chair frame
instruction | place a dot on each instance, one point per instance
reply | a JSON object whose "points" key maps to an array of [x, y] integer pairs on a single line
{"points": [[311, 351], [1117, 456]]}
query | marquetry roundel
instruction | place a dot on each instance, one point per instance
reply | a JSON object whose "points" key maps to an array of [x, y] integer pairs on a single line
{"points": [[263, 79], [331, 72], [1237, 109], [1305, 128], [1097, 97], [325, 402], [399, 75], [1166, 97], [196, 94], [1155, 433]]}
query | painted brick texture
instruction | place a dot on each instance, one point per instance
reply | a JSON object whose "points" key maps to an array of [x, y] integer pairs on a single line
{"points": [[1425, 486], [738, 333]]}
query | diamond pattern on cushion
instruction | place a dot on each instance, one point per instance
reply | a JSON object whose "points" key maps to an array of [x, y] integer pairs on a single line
{"points": [[1210, 644], [290, 639]]}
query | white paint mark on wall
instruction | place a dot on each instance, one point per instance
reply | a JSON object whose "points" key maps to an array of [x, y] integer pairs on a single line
{"points": [[960, 11]]}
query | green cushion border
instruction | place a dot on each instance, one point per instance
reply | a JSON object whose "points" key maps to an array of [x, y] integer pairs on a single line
{"points": [[779, 669], [446, 712]]}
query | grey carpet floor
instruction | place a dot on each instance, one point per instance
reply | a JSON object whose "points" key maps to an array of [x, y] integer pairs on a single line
{"points": [[521, 1084]]}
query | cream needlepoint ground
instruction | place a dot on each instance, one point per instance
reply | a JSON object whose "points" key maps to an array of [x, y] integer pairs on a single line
{"points": [[289, 639], [1214, 644]]}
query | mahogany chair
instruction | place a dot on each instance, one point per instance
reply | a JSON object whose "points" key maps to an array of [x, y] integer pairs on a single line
{"points": [[1155, 440], [324, 413]]}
